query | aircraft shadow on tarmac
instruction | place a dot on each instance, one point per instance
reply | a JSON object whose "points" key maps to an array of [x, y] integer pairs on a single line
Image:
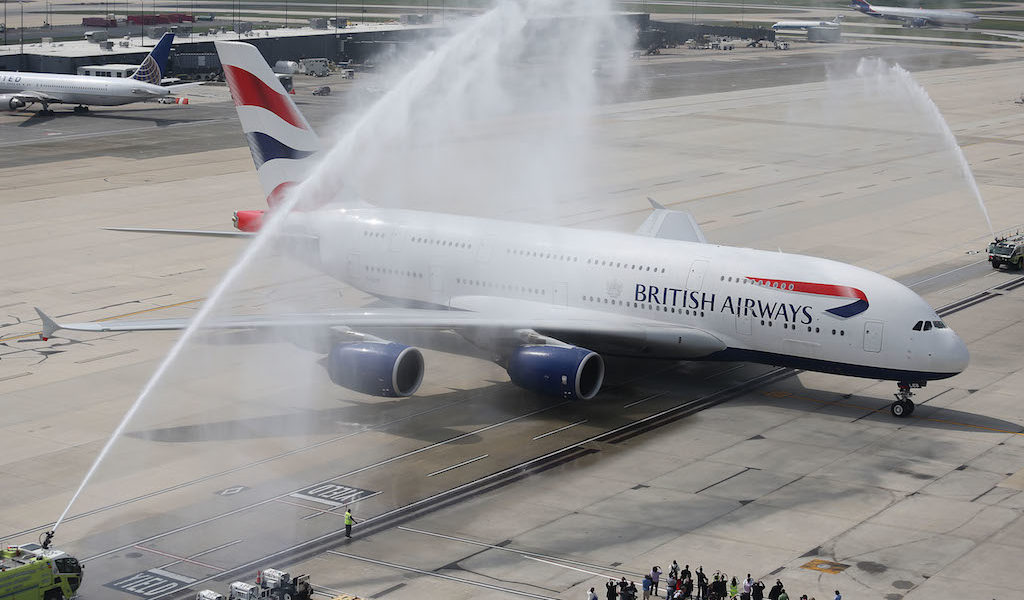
{"points": [[37, 119]]}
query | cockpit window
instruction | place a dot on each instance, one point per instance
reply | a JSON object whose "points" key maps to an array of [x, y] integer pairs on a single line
{"points": [[927, 325], [939, 324], [917, 326]]}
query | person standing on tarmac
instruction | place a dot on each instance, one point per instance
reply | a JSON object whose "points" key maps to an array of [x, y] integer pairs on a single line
{"points": [[349, 522]]}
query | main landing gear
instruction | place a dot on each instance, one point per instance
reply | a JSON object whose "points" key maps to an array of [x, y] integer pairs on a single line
{"points": [[904, 406], [81, 109]]}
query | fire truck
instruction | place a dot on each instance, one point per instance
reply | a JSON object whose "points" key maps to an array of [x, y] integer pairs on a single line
{"points": [[35, 572], [1007, 251]]}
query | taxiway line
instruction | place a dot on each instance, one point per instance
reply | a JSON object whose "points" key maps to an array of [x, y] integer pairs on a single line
{"points": [[488, 586], [456, 466], [554, 431], [513, 550], [179, 558]]}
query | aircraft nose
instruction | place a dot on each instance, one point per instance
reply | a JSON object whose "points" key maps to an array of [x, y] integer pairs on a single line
{"points": [[951, 356]]}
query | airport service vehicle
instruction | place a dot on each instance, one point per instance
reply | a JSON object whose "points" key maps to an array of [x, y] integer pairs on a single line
{"points": [[917, 17], [1007, 251], [550, 303], [317, 67], [323, 90], [18, 89], [805, 25], [32, 572], [271, 584]]}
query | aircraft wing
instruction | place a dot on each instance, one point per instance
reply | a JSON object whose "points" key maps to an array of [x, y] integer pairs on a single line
{"points": [[476, 317], [29, 97]]}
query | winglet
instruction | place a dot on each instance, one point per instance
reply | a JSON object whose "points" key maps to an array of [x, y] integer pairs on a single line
{"points": [[655, 204], [50, 326]]}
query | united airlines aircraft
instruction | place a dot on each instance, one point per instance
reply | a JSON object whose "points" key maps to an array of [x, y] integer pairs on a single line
{"points": [[19, 89], [917, 17], [549, 303]]}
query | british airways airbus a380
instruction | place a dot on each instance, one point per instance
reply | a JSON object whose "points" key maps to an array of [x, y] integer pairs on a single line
{"points": [[549, 302]]}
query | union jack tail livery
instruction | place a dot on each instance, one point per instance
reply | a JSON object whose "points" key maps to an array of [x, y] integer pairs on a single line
{"points": [[154, 65], [282, 143]]}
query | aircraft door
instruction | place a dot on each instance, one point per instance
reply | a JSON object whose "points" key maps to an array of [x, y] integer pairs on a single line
{"points": [[354, 267], [873, 336], [483, 253], [743, 325], [695, 281], [561, 294], [436, 282]]}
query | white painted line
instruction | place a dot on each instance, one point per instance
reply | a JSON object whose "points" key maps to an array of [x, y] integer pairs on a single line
{"points": [[544, 435], [442, 576], [463, 463], [175, 576], [548, 562], [513, 550], [336, 504], [651, 397], [214, 549]]}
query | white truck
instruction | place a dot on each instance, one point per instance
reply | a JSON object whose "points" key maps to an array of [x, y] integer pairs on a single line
{"points": [[317, 67], [271, 584]]}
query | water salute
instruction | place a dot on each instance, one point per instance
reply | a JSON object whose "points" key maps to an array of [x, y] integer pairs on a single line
{"points": [[549, 299]]}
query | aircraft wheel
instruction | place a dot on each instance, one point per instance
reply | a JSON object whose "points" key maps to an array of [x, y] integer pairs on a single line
{"points": [[910, 407], [81, 109], [899, 409]]}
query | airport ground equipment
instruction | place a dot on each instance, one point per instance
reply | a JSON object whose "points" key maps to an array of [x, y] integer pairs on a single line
{"points": [[1007, 251], [34, 572], [271, 584]]}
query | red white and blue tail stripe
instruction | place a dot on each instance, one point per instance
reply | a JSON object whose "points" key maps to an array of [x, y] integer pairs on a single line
{"points": [[282, 143]]}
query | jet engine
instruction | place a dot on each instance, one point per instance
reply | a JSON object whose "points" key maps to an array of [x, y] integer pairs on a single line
{"points": [[380, 368], [12, 103], [919, 22], [562, 371], [248, 220]]}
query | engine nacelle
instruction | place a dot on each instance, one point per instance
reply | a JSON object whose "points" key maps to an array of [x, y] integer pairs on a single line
{"points": [[11, 103], [918, 23], [248, 220], [564, 372], [385, 369]]}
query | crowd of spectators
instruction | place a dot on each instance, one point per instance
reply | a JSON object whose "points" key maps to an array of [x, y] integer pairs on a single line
{"points": [[683, 584]]}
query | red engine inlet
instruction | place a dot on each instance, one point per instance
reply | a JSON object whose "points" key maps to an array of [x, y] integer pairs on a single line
{"points": [[248, 220]]}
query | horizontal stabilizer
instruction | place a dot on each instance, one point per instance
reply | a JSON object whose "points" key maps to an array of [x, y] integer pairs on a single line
{"points": [[196, 232]]}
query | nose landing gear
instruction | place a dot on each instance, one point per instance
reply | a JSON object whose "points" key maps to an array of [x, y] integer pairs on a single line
{"points": [[904, 406]]}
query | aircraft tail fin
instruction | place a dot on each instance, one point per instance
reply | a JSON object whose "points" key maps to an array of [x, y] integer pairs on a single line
{"points": [[861, 5], [154, 65], [282, 143]]}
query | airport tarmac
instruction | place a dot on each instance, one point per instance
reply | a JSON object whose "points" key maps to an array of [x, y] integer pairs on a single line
{"points": [[475, 488]]}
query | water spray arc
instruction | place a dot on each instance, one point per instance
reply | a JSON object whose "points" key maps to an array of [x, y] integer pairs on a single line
{"points": [[456, 65], [880, 72]]}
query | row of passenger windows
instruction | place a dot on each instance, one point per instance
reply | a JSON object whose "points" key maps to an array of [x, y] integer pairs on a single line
{"points": [[642, 306], [927, 325], [747, 280], [502, 286], [386, 271], [621, 265], [448, 243], [810, 329], [545, 255]]}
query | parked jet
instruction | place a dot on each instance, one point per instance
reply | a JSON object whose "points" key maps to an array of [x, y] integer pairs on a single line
{"points": [[19, 89], [805, 25], [917, 17], [549, 303]]}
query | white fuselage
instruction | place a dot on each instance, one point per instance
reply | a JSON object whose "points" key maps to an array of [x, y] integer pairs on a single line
{"points": [[80, 89], [804, 25], [924, 15], [736, 294]]}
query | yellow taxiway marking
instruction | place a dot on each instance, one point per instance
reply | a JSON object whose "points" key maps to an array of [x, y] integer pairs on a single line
{"points": [[825, 566], [121, 316], [782, 394]]}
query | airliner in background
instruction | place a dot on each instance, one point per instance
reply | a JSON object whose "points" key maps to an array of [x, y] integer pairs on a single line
{"points": [[19, 89], [917, 17], [550, 303], [805, 25]]}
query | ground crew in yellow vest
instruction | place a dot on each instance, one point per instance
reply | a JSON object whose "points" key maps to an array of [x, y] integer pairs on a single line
{"points": [[349, 522]]}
